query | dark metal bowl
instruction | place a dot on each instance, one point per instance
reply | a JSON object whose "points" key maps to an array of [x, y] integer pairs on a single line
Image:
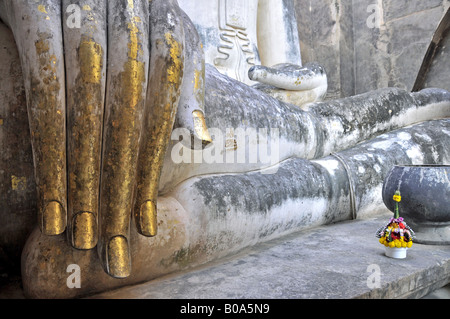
{"points": [[425, 200]]}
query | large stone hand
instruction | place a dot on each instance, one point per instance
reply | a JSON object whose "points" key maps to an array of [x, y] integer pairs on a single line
{"points": [[95, 77]]}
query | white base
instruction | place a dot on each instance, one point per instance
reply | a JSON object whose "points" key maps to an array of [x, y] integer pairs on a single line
{"points": [[398, 253]]}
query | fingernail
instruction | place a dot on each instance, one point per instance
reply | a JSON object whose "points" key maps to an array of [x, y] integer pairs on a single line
{"points": [[200, 127], [118, 257], [148, 219], [53, 219], [84, 231]]}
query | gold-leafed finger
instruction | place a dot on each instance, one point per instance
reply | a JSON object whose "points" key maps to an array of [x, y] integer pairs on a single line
{"points": [[86, 51], [148, 222], [166, 72], [53, 219], [118, 262], [38, 32], [84, 230], [124, 112]]}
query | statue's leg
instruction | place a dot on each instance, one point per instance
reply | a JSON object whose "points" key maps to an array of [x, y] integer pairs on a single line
{"points": [[208, 217], [37, 30], [124, 112], [85, 44], [324, 128], [166, 72]]}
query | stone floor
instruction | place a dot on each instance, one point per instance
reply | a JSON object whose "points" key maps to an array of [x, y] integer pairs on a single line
{"points": [[339, 261], [342, 260], [441, 293]]}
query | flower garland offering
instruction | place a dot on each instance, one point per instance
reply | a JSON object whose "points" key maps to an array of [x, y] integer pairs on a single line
{"points": [[396, 234]]}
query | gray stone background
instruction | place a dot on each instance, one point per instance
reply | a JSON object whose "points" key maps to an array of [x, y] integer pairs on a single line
{"points": [[360, 57]]}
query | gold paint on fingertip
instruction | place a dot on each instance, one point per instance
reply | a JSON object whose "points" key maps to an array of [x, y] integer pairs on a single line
{"points": [[148, 219], [200, 127], [119, 265], [53, 219], [84, 231]]}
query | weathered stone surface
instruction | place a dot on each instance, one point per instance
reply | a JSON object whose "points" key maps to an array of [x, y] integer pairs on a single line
{"points": [[437, 75], [365, 45], [45, 259], [239, 34], [323, 128], [228, 32], [336, 261], [401, 8], [17, 184], [390, 53], [209, 217], [278, 40], [319, 27], [372, 162], [409, 38]]}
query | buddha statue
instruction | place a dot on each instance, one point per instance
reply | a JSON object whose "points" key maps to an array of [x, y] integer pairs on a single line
{"points": [[165, 136]]}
